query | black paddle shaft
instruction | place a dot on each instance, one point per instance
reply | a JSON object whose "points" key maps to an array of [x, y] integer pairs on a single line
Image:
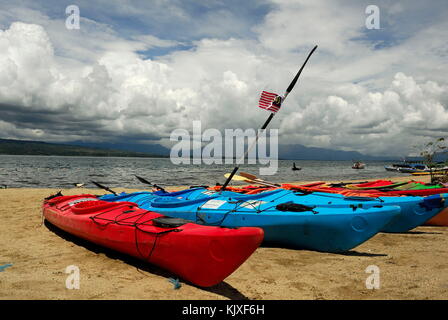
{"points": [[104, 187], [290, 87], [293, 82], [143, 180], [237, 167]]}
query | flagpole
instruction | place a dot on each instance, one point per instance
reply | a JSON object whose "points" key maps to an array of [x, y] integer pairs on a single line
{"points": [[271, 116]]}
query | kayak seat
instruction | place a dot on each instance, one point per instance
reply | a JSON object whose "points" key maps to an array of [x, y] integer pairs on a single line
{"points": [[178, 193], [98, 206], [169, 222], [293, 207], [171, 202], [256, 196]]}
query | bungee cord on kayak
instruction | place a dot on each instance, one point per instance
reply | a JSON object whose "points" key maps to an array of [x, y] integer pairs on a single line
{"points": [[202, 255]]}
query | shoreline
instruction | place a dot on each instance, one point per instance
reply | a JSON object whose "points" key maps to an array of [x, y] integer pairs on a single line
{"points": [[412, 264], [406, 177]]}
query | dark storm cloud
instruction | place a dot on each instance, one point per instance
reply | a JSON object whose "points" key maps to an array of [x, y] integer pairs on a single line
{"points": [[372, 91]]}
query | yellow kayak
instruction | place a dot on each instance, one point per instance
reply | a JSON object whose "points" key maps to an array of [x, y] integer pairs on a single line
{"points": [[427, 173]]}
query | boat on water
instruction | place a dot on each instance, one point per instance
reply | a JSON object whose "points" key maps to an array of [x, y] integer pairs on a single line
{"points": [[406, 167], [417, 168], [358, 165], [414, 168]]}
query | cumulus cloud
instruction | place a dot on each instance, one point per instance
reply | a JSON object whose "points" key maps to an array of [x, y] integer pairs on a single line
{"points": [[120, 95], [94, 84], [373, 122]]}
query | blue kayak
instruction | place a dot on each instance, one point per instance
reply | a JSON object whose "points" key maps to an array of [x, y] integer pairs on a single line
{"points": [[285, 218], [414, 211]]}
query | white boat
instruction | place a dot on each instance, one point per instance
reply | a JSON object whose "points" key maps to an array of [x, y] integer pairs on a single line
{"points": [[358, 165]]}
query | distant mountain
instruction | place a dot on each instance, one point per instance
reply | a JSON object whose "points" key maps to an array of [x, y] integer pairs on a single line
{"points": [[79, 148], [300, 152], [287, 152], [22, 147], [132, 147]]}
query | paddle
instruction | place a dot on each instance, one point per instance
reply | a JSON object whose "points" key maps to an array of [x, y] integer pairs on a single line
{"points": [[256, 179], [250, 181], [104, 188], [143, 180], [282, 99], [342, 184]]}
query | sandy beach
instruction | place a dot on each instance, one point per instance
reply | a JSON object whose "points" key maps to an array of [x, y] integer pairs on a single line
{"points": [[412, 265]]}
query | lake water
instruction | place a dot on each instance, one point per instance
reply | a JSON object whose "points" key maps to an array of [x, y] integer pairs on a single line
{"points": [[63, 172]]}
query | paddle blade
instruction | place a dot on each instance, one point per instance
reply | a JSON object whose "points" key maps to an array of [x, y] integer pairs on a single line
{"points": [[294, 81], [104, 187], [235, 177], [255, 179], [249, 176], [251, 181], [143, 180]]}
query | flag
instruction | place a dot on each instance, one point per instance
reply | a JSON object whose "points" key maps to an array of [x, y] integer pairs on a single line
{"points": [[270, 101]]}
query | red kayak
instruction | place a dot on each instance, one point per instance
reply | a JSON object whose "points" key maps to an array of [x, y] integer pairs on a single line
{"points": [[202, 255], [379, 188], [376, 183]]}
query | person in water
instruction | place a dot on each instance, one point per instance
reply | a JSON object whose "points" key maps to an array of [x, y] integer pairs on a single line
{"points": [[294, 166]]}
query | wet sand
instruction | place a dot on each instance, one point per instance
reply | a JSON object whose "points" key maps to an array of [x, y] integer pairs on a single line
{"points": [[412, 265]]}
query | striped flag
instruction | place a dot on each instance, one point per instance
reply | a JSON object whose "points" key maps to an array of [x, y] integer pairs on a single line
{"points": [[270, 101]]}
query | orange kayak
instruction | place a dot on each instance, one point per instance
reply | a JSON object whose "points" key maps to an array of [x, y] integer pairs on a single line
{"points": [[440, 219]]}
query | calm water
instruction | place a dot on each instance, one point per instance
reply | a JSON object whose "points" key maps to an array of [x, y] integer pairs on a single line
{"points": [[62, 172]]}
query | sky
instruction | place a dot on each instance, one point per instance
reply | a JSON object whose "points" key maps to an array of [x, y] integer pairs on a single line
{"points": [[137, 70]]}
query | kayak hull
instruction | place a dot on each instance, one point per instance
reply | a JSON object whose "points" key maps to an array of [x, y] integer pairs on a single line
{"points": [[327, 233], [199, 254], [414, 213]]}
